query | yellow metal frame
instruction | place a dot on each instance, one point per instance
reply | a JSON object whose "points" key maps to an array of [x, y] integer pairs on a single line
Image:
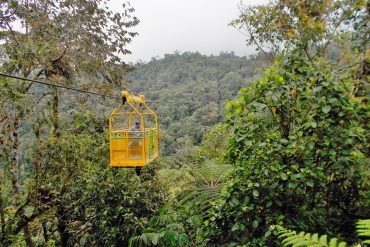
{"points": [[125, 149]]}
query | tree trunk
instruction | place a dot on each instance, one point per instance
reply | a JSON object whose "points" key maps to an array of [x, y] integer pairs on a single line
{"points": [[6, 154], [45, 231], [2, 217], [62, 226], [13, 167], [55, 113], [27, 236], [37, 157], [15, 180], [219, 117]]}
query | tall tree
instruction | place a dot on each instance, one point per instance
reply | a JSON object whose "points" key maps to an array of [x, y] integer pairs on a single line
{"points": [[299, 149], [300, 135], [73, 42], [310, 25], [66, 38]]}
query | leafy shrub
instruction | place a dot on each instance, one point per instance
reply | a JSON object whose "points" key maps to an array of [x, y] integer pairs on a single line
{"points": [[292, 238], [299, 151]]}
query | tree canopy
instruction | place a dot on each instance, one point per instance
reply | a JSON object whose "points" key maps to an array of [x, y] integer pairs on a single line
{"points": [[252, 149]]}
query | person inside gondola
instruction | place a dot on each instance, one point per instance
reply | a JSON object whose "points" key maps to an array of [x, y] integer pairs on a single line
{"points": [[135, 144], [136, 129]]}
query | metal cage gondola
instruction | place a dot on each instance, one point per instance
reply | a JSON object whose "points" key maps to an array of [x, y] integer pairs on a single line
{"points": [[130, 145]]}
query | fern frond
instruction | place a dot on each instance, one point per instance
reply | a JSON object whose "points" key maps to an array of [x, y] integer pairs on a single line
{"points": [[145, 239], [315, 237], [287, 234], [296, 240], [363, 229], [135, 241], [208, 178], [323, 240], [161, 220], [211, 173], [302, 244], [333, 242], [291, 238]]}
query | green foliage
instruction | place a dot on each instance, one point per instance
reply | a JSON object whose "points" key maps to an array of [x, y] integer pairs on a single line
{"points": [[75, 191], [162, 230], [54, 33], [311, 26], [299, 151], [208, 181], [46, 149], [292, 238], [163, 238], [214, 144], [188, 92], [363, 229], [175, 180], [117, 207], [299, 143], [191, 188], [61, 167]]}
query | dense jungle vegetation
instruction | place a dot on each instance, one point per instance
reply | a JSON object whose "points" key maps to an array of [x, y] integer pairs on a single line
{"points": [[253, 150]]}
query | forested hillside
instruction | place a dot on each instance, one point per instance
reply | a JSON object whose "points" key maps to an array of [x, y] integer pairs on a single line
{"points": [[266, 150], [189, 92]]}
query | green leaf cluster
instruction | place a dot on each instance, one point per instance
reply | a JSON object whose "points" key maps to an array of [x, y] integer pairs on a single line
{"points": [[363, 229], [299, 149], [292, 238], [162, 230]]}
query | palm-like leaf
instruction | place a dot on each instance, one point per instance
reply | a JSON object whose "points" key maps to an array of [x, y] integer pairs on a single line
{"points": [[363, 229], [208, 178], [294, 239], [166, 228]]}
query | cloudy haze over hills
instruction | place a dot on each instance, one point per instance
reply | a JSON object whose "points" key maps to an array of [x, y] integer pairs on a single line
{"points": [[167, 26]]}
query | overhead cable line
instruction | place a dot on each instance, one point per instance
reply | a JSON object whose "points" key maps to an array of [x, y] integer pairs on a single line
{"points": [[67, 87], [81, 90], [58, 85]]}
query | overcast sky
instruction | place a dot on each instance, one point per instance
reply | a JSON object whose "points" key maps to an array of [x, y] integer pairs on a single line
{"points": [[167, 26]]}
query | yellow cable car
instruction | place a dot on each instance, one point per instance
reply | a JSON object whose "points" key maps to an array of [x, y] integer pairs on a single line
{"points": [[133, 133]]}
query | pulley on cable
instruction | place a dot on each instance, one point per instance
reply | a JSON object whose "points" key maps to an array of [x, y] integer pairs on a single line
{"points": [[133, 133]]}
